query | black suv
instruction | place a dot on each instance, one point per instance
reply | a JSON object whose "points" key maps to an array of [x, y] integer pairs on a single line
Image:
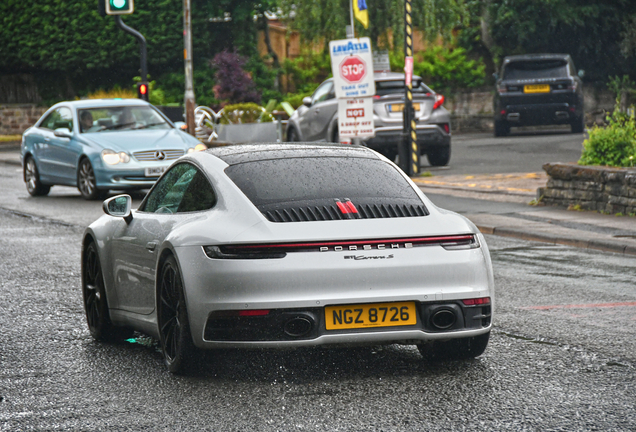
{"points": [[538, 89]]}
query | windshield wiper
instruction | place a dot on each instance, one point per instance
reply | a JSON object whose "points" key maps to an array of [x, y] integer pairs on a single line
{"points": [[149, 124]]}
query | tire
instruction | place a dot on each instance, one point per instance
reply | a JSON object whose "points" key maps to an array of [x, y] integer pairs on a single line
{"points": [[578, 125], [292, 135], [95, 302], [32, 179], [439, 157], [502, 128], [335, 137], [86, 182], [172, 316], [454, 349]]}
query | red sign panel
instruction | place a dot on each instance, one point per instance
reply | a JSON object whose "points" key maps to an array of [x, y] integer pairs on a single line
{"points": [[353, 69], [356, 112]]}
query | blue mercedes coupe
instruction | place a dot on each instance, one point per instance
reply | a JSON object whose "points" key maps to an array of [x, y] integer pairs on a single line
{"points": [[99, 145]]}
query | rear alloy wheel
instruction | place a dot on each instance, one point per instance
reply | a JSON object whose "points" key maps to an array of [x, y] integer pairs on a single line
{"points": [[86, 182], [174, 328], [95, 303], [502, 128], [439, 156], [32, 178], [454, 349]]}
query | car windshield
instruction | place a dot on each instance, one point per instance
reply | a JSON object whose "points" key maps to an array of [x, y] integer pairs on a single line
{"points": [[535, 69], [397, 87], [109, 119], [317, 179]]}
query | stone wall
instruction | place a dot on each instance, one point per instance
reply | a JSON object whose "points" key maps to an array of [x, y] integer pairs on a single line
{"points": [[15, 119], [610, 190]]}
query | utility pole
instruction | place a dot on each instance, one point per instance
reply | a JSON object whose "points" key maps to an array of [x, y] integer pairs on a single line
{"points": [[187, 53], [409, 150]]}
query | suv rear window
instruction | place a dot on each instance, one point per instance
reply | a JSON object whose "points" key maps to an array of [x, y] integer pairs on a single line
{"points": [[397, 87], [312, 185], [535, 69]]}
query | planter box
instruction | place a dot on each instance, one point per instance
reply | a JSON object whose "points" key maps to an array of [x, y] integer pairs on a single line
{"points": [[248, 133], [606, 189]]}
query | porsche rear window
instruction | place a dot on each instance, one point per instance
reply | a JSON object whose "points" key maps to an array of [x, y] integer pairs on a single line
{"points": [[283, 181], [536, 69]]}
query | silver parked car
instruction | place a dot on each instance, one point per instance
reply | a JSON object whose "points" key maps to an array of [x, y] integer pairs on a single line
{"points": [[283, 245], [317, 118]]}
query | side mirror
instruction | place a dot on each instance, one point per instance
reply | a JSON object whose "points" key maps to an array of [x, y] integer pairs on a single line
{"points": [[119, 206], [581, 73], [307, 101], [62, 133]]}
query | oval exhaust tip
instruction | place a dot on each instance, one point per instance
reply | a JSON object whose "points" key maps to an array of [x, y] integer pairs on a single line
{"points": [[298, 326], [443, 319]]}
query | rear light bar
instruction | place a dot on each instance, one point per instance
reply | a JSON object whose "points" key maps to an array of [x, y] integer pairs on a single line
{"points": [[477, 301], [280, 250], [439, 101]]}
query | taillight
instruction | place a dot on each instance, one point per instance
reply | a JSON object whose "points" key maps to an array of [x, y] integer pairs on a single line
{"points": [[376, 97], [445, 126], [477, 301], [439, 101], [501, 88]]}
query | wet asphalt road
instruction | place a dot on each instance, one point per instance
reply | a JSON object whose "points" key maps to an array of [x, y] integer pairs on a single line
{"points": [[562, 357]]}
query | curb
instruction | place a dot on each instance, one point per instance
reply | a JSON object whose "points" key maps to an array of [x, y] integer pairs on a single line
{"points": [[606, 246]]}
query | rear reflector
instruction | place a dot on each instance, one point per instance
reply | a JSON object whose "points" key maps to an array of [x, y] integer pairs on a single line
{"points": [[255, 312], [477, 301]]}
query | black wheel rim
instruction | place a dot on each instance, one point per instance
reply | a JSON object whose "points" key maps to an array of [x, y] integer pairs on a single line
{"points": [[170, 325], [86, 179], [92, 288], [31, 175]]}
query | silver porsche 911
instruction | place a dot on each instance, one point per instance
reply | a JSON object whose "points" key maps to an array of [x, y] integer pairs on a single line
{"points": [[287, 245]]}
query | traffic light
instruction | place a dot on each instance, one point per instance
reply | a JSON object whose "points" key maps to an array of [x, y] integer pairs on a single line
{"points": [[119, 7], [143, 91]]}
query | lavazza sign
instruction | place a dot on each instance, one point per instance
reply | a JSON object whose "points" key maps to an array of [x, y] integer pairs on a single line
{"points": [[352, 67]]}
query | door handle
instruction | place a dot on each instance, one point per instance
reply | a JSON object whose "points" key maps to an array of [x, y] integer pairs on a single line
{"points": [[317, 111], [151, 246]]}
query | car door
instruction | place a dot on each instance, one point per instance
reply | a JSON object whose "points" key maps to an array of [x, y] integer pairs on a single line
{"points": [[179, 195], [316, 119], [58, 155]]}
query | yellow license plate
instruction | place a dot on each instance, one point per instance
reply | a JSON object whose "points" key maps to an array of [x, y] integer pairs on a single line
{"points": [[537, 88], [400, 107], [370, 315]]}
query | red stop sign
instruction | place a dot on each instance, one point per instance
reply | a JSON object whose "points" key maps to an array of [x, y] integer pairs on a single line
{"points": [[353, 69]]}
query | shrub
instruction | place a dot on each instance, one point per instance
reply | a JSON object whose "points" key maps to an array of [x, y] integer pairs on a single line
{"points": [[448, 68], [115, 92], [306, 72], [614, 145], [248, 112], [233, 83]]}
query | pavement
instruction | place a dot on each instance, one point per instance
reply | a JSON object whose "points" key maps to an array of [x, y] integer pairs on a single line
{"points": [[525, 220]]}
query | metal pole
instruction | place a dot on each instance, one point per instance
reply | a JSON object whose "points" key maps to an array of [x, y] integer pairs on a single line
{"points": [[353, 29], [187, 53], [409, 151], [142, 46]]}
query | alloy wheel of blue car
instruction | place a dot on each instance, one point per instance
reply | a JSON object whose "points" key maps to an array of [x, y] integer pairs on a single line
{"points": [[86, 181]]}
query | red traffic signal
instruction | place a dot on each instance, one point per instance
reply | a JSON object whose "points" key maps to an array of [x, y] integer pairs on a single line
{"points": [[143, 91]]}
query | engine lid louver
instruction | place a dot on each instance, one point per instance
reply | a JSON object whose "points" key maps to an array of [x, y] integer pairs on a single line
{"points": [[332, 212]]}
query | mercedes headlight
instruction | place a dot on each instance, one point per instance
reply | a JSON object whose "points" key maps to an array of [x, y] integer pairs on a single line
{"points": [[111, 157]]}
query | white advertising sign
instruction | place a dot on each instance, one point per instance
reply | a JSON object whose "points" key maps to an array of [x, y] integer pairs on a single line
{"points": [[352, 67], [355, 118]]}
